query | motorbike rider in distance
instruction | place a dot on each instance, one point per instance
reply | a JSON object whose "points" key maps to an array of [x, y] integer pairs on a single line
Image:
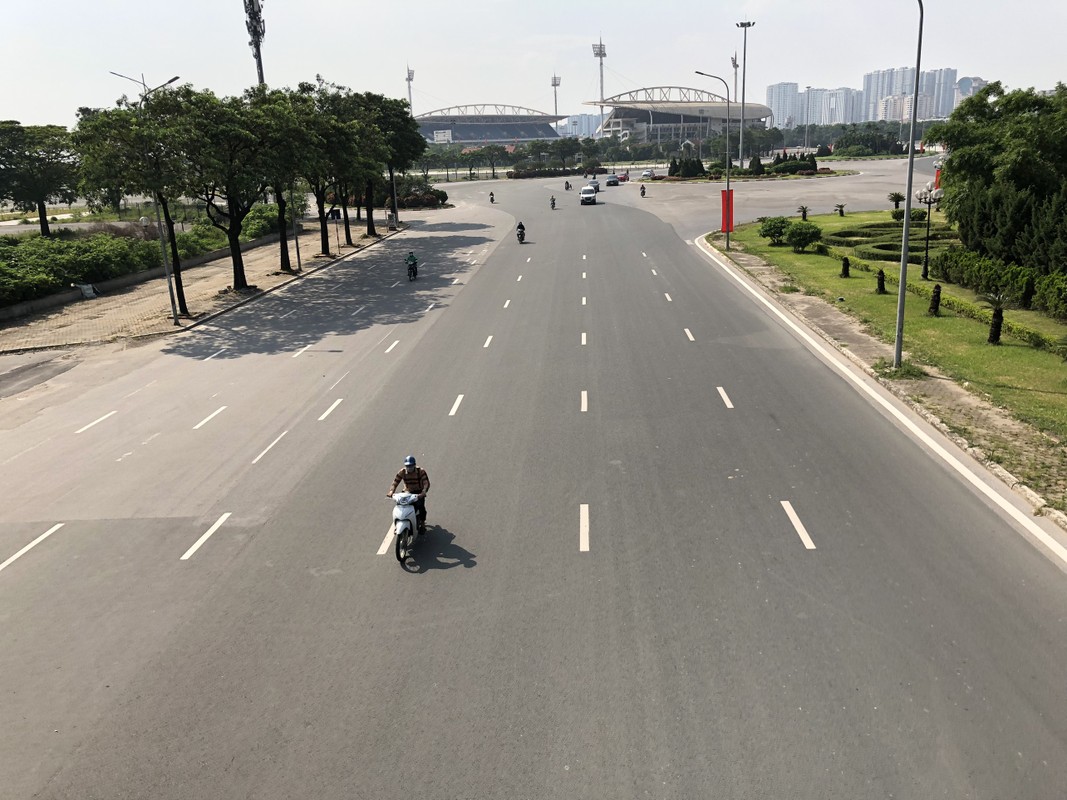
{"points": [[417, 482], [520, 231], [412, 263], [642, 191], [492, 198], [552, 201]]}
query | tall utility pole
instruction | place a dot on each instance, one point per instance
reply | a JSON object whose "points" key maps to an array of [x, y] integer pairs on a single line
{"points": [[256, 29], [555, 96], [601, 52], [410, 78], [744, 58], [733, 60]]}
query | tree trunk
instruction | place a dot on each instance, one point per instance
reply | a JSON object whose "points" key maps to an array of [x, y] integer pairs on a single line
{"points": [[283, 233], [392, 191], [369, 197], [324, 228], [233, 234], [42, 218], [996, 326], [344, 215], [175, 261]]}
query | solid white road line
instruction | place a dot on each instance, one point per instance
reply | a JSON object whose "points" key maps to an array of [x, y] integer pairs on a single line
{"points": [[583, 301], [507, 303], [388, 540], [95, 421], [389, 349], [326, 413], [301, 350], [690, 335], [583, 338], [340, 379], [954, 463], [585, 401], [269, 446], [583, 528], [32, 544], [208, 418], [205, 537], [808, 543], [455, 406], [668, 297], [725, 399], [518, 279], [358, 310], [487, 341], [223, 349]]}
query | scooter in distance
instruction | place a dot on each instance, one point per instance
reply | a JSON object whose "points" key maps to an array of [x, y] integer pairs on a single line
{"points": [[492, 198], [552, 203], [520, 234], [405, 523], [413, 267], [642, 191]]}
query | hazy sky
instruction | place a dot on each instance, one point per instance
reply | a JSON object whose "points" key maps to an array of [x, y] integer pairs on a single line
{"points": [[57, 55]]}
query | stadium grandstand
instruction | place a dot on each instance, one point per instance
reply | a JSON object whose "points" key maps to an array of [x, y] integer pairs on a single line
{"points": [[674, 113], [486, 124]]}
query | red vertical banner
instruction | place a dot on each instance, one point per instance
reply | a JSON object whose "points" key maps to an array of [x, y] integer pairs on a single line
{"points": [[937, 178], [727, 211]]}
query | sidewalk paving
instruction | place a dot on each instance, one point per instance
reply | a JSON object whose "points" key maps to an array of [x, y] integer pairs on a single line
{"points": [[144, 309]]}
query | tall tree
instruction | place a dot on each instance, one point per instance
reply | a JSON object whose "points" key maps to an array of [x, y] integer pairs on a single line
{"points": [[38, 166], [403, 141], [493, 154]]}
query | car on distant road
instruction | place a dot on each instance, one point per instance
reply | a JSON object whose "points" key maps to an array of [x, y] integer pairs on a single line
{"points": [[595, 184], [587, 196], [611, 180], [624, 177], [648, 174]]}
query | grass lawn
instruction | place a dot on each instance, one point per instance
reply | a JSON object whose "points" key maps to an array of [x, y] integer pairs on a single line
{"points": [[1030, 383]]}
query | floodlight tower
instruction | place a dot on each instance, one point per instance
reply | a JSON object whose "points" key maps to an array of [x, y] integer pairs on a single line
{"points": [[555, 96], [601, 52], [410, 78], [256, 29], [744, 58]]}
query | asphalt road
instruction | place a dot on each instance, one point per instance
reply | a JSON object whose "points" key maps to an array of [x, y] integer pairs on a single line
{"points": [[676, 549]]}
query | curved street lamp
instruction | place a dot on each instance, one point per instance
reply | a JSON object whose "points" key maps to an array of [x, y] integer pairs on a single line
{"points": [[730, 197]]}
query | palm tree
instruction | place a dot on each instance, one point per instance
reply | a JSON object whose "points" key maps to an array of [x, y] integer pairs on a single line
{"points": [[840, 209], [803, 211], [896, 198], [998, 301]]}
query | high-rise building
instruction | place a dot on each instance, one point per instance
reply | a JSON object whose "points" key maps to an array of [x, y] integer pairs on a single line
{"points": [[885, 83], [965, 87], [782, 100], [940, 85], [842, 106]]}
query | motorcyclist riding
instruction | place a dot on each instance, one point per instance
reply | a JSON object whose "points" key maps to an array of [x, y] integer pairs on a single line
{"points": [[520, 231], [412, 263], [492, 198], [567, 185], [642, 191], [417, 482], [552, 201]]}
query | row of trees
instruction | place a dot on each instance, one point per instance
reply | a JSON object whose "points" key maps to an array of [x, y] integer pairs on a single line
{"points": [[228, 153]]}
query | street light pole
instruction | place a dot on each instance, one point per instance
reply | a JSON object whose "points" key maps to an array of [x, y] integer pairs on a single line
{"points": [[159, 220], [744, 58], [807, 115], [928, 196], [729, 196], [902, 289]]}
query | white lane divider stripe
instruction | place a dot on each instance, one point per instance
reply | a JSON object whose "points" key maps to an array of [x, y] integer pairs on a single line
{"points": [[287, 313], [583, 528], [358, 310], [654, 272], [205, 537], [583, 301], [388, 540], [32, 545], [135, 391], [529, 260], [690, 335], [269, 446], [455, 281], [327, 412], [301, 350], [223, 349], [96, 421], [431, 307], [455, 406], [644, 255], [398, 282], [585, 401], [389, 349], [583, 256], [725, 398], [518, 279], [507, 303], [808, 543], [668, 297], [583, 276], [209, 417], [339, 380], [487, 341], [583, 338]]}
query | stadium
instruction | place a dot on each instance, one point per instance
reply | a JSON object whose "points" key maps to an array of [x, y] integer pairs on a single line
{"points": [[486, 124]]}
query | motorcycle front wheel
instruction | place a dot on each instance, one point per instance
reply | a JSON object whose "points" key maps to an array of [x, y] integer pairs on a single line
{"points": [[403, 544]]}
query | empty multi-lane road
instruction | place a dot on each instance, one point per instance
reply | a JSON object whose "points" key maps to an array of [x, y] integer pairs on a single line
{"points": [[676, 549]]}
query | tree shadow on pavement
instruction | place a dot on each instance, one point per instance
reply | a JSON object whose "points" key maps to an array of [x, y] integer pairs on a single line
{"points": [[348, 296], [449, 226], [437, 549]]}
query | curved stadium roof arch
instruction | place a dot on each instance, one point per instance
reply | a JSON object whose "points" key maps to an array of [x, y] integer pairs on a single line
{"points": [[487, 123]]}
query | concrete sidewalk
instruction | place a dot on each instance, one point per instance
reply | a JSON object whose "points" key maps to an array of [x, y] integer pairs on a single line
{"points": [[144, 309]]}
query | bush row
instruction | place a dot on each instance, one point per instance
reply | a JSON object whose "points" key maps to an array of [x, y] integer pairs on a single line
{"points": [[1026, 286]]}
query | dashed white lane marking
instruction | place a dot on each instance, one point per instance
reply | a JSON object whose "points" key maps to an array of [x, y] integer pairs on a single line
{"points": [[668, 297], [644, 255], [455, 281], [301, 350], [327, 412], [388, 540], [358, 310], [654, 272], [518, 279], [583, 276], [209, 417], [583, 528], [396, 284], [725, 398], [585, 401], [96, 421], [268, 447], [528, 260], [583, 256], [389, 349], [583, 338], [287, 313], [801, 531], [221, 351], [507, 303], [135, 391], [205, 537], [583, 301], [340, 379], [455, 406], [487, 341], [32, 545], [690, 335], [430, 308]]}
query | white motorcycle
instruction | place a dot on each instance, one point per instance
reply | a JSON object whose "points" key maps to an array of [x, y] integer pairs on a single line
{"points": [[405, 524]]}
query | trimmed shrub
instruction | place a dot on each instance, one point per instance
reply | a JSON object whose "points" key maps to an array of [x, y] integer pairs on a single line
{"points": [[1050, 295], [917, 214], [799, 235], [774, 228]]}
